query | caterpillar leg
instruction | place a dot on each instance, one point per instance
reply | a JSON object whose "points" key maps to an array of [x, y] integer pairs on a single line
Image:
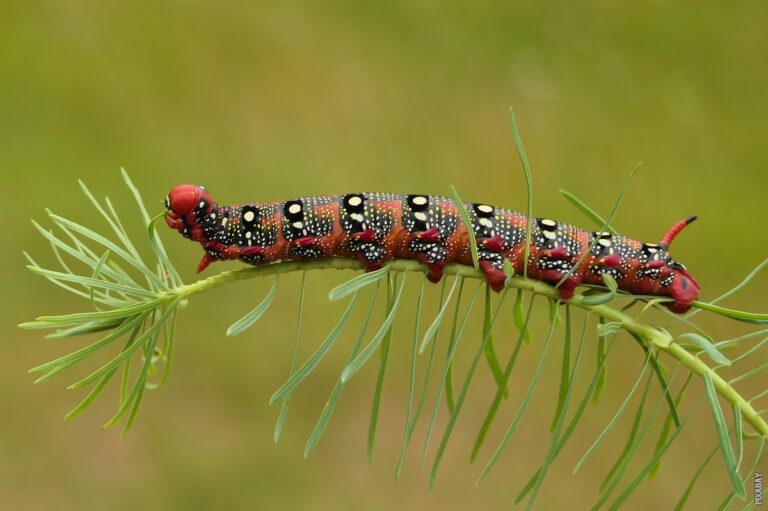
{"points": [[492, 264], [428, 250], [204, 262]]}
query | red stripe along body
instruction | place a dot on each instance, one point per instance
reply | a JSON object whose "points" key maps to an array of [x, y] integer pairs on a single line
{"points": [[377, 227]]}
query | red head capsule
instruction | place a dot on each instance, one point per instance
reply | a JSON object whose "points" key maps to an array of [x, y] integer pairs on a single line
{"points": [[186, 205]]}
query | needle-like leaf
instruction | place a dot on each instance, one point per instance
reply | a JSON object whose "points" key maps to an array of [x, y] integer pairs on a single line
{"points": [[252, 317]]}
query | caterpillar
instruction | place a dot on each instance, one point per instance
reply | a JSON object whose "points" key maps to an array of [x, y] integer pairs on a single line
{"points": [[376, 227]]}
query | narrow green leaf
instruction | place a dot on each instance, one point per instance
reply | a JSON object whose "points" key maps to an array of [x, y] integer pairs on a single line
{"points": [[667, 428], [86, 328], [134, 398], [252, 317], [89, 282], [749, 373], [606, 329], [432, 330], [589, 212], [287, 399], [357, 282], [528, 187], [571, 425], [553, 445], [170, 336], [523, 406], [81, 317], [95, 275], [747, 354], [746, 317], [307, 367], [509, 271], [101, 240], [603, 369], [461, 208], [155, 241], [688, 489], [732, 343], [411, 381], [758, 458], [490, 352], [463, 394], [722, 433], [660, 371], [391, 284], [372, 346], [491, 414], [633, 485], [62, 285], [330, 405], [427, 378], [117, 230], [616, 416], [154, 327], [449, 401], [586, 253], [706, 345], [565, 371], [453, 345], [57, 245], [162, 257], [735, 288], [519, 317], [738, 428], [629, 446], [628, 456], [95, 391], [55, 366]]}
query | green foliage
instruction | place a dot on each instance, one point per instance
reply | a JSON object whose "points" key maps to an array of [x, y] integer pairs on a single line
{"points": [[137, 303]]}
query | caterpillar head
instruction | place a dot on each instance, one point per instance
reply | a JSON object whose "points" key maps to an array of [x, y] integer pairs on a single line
{"points": [[684, 289], [186, 205]]}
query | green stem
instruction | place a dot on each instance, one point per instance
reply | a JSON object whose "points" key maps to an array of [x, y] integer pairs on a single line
{"points": [[652, 336]]}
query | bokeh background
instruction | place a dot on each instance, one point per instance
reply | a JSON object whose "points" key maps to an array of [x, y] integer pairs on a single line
{"points": [[270, 100]]}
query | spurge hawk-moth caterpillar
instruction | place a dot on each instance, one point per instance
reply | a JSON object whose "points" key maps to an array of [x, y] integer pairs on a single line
{"points": [[377, 227]]}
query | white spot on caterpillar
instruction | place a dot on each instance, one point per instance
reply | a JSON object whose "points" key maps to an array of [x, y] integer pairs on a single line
{"points": [[420, 200], [549, 235], [249, 216], [548, 222], [213, 216], [485, 222], [224, 221], [248, 234], [420, 216], [357, 217], [604, 242], [355, 201], [485, 208], [298, 225], [295, 208], [202, 204]]}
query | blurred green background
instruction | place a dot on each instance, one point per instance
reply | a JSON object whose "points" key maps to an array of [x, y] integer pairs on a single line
{"points": [[265, 101]]}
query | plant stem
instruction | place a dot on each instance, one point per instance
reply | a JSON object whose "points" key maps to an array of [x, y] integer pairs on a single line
{"points": [[652, 336]]}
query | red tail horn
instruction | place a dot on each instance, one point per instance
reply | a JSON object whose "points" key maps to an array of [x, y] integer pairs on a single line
{"points": [[674, 231]]}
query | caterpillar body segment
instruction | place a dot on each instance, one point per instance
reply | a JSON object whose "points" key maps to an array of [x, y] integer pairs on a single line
{"points": [[377, 227]]}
